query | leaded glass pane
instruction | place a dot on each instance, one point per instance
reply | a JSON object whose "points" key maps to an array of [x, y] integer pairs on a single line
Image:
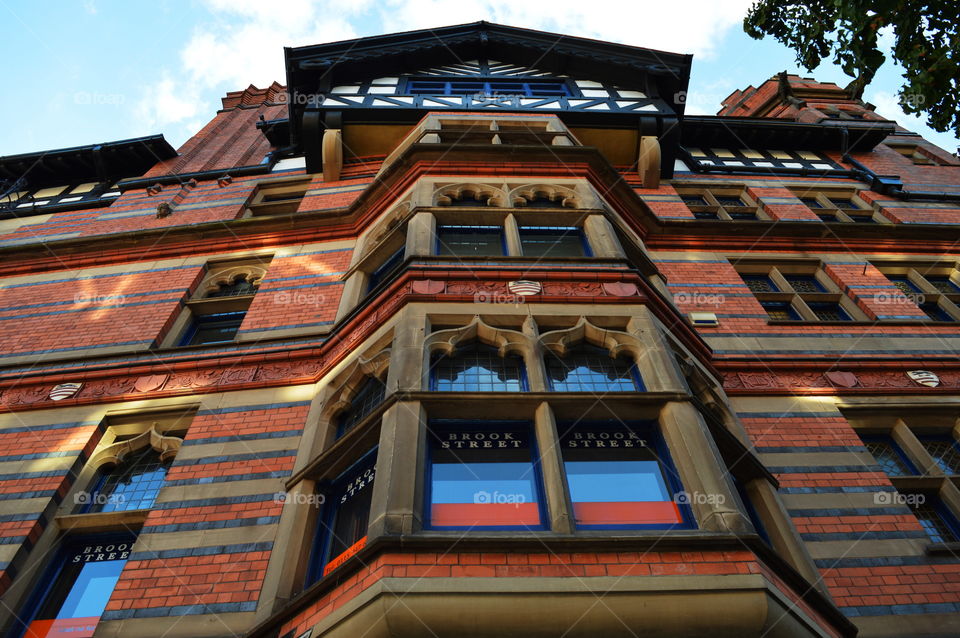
{"points": [[478, 368], [591, 369], [131, 485]]}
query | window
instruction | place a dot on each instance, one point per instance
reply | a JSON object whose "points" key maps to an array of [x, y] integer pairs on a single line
{"points": [[217, 308], [81, 581], [542, 200], [937, 521], [477, 367], [468, 199], [342, 525], [837, 206], [471, 241], [933, 287], [368, 397], [277, 198], [487, 88], [906, 458], [719, 203], [797, 292], [944, 451], [131, 485], [889, 456], [213, 328], [780, 311], [761, 158], [237, 287], [553, 241], [588, 368], [619, 477], [483, 475], [386, 271], [915, 153]]}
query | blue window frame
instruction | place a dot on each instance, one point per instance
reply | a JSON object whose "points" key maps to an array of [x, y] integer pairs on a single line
{"points": [[944, 285], [780, 311], [471, 241], [483, 475], [553, 241], [365, 401], [759, 283], [76, 587], [477, 367], [904, 284], [804, 283], [620, 477], [587, 368], [487, 88], [752, 513], [344, 517], [889, 456], [933, 310], [828, 311], [936, 519], [214, 328], [386, 270], [131, 485], [945, 452]]}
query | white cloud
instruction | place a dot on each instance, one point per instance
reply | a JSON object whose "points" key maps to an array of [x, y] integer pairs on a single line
{"points": [[681, 26], [167, 101], [888, 106], [242, 42]]}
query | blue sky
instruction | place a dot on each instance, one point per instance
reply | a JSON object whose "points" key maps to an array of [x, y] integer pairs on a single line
{"points": [[100, 70]]}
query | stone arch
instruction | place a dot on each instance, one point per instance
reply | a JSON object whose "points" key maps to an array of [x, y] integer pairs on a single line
{"points": [[226, 276], [567, 197], [112, 455], [446, 195], [351, 380], [387, 224], [506, 341], [616, 342]]}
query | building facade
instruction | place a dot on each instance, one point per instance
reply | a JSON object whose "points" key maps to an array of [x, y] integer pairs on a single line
{"points": [[473, 332]]}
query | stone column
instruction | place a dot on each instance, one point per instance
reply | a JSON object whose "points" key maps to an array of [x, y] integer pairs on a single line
{"points": [[713, 498], [393, 506], [555, 487], [602, 238], [421, 235]]}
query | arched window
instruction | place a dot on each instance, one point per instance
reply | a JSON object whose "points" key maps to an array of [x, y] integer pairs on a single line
{"points": [[543, 200], [469, 198], [237, 287], [477, 367], [133, 484], [367, 398], [587, 368]]}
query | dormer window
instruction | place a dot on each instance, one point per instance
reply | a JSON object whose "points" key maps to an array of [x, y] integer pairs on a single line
{"points": [[487, 88]]}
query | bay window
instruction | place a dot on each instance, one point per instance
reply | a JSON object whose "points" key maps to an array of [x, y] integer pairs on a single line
{"points": [[620, 477], [483, 475]]}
